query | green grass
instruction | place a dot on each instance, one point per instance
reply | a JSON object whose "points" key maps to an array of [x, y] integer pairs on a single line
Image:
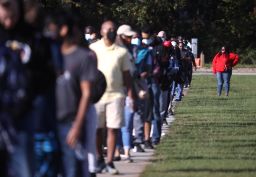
{"points": [[211, 136]]}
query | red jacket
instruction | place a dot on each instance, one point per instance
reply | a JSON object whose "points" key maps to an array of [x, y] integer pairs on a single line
{"points": [[222, 62]]}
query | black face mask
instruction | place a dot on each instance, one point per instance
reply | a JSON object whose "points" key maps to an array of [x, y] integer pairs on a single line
{"points": [[111, 35]]}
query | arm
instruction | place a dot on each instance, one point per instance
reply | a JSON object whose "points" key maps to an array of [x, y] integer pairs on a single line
{"points": [[128, 84], [84, 102], [234, 58], [214, 64], [193, 60]]}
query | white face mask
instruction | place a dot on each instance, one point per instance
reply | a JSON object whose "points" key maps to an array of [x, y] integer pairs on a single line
{"points": [[87, 36], [174, 44], [146, 41], [136, 41]]}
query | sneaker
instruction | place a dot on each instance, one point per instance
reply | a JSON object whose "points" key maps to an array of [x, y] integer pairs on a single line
{"points": [[138, 148], [117, 158], [111, 169], [165, 121], [128, 160], [148, 145], [100, 165]]}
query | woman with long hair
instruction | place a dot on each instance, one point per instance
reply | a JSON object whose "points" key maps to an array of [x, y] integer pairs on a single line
{"points": [[222, 65]]}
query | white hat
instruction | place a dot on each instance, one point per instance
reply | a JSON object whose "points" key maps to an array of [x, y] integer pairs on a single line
{"points": [[125, 30], [161, 34]]}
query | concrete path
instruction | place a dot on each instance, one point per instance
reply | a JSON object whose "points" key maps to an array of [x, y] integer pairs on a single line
{"points": [[235, 71], [140, 159]]}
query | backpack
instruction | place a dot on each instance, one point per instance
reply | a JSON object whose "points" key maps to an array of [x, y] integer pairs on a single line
{"points": [[14, 83], [140, 61], [99, 86], [173, 67]]}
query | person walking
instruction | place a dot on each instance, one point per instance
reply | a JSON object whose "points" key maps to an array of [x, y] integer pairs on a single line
{"points": [[75, 111], [222, 65], [114, 63]]}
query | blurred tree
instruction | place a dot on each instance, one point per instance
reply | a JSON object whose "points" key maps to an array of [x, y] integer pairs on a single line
{"points": [[213, 22]]}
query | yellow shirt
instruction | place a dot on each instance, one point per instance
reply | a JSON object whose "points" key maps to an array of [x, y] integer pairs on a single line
{"points": [[112, 61]]}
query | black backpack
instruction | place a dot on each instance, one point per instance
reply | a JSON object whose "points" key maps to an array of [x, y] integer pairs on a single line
{"points": [[99, 86], [14, 82]]}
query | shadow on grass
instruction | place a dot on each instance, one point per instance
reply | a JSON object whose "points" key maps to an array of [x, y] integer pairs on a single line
{"points": [[209, 170]]}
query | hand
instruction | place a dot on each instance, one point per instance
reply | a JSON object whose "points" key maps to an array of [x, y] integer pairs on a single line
{"points": [[73, 136], [143, 75]]}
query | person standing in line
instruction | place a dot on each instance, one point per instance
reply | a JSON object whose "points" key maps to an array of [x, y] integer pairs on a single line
{"points": [[114, 63], [222, 65], [191, 60], [90, 34], [75, 111], [124, 37], [26, 85]]}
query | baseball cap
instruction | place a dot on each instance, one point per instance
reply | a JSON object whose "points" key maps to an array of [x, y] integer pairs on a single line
{"points": [[125, 30], [162, 34], [167, 43]]}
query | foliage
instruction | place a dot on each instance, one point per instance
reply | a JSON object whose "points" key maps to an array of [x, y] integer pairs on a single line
{"points": [[210, 136], [213, 22]]}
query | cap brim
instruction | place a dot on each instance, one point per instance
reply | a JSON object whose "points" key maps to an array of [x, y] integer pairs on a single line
{"points": [[129, 33]]}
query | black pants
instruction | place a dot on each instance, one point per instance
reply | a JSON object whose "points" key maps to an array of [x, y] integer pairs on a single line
{"points": [[3, 163]]}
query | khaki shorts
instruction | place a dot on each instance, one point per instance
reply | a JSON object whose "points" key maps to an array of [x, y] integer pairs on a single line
{"points": [[111, 114]]}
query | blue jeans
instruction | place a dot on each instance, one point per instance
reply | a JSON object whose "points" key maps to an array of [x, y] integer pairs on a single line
{"points": [[223, 78], [157, 120], [164, 103], [127, 129], [20, 159], [71, 166]]}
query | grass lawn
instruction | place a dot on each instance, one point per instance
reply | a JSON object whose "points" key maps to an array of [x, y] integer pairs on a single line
{"points": [[211, 136]]}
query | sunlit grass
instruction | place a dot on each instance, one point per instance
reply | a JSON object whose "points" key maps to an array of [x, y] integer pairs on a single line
{"points": [[211, 136]]}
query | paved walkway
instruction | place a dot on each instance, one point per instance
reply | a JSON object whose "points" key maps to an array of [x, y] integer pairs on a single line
{"points": [[235, 71], [141, 159]]}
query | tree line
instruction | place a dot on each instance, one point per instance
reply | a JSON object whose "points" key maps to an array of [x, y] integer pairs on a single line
{"points": [[214, 22]]}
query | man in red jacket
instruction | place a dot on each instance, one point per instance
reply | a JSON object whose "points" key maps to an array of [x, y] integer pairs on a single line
{"points": [[222, 66]]}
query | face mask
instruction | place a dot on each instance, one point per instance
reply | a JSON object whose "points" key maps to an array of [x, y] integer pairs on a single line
{"points": [[146, 41], [163, 39], [87, 36], [174, 44], [111, 35], [136, 41], [50, 34]]}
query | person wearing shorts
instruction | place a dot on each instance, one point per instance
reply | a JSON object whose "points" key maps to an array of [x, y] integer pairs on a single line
{"points": [[114, 63]]}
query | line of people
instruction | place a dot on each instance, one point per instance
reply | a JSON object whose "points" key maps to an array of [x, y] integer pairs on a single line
{"points": [[49, 122]]}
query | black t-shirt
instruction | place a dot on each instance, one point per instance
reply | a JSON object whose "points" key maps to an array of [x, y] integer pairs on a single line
{"points": [[80, 65]]}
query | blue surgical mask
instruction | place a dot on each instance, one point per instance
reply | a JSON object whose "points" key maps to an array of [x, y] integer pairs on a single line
{"points": [[136, 41]]}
